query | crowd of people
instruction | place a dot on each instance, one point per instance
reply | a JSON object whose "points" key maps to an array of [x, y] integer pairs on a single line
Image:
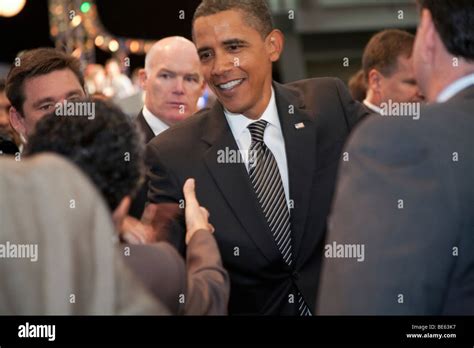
{"points": [[329, 200]]}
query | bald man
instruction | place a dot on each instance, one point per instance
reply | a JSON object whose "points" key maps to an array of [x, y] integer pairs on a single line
{"points": [[173, 82]]}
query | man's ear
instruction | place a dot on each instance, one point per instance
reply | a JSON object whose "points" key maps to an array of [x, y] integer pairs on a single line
{"points": [[142, 75], [121, 211], [274, 43], [428, 36], [374, 80], [18, 122]]}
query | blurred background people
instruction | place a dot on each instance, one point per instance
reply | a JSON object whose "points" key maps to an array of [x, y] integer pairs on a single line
{"points": [[109, 150], [9, 140], [137, 83], [120, 85], [387, 63], [72, 266], [411, 181], [96, 81]]}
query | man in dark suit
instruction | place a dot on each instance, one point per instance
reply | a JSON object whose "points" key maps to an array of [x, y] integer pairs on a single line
{"points": [[172, 81], [405, 198], [264, 158]]}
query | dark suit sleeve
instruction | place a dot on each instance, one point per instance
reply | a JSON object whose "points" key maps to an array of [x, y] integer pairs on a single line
{"points": [[390, 202], [163, 187], [208, 284], [353, 110]]}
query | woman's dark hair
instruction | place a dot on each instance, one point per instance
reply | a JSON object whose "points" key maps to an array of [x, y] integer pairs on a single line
{"points": [[105, 145]]}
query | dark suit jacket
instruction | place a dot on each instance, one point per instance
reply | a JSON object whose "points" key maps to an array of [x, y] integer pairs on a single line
{"points": [[199, 287], [419, 259], [139, 201], [260, 279], [143, 127]]}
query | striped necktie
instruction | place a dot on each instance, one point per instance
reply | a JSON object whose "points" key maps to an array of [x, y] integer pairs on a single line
{"points": [[266, 180]]}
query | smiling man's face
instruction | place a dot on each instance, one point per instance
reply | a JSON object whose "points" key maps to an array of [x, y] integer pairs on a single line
{"points": [[237, 61]]}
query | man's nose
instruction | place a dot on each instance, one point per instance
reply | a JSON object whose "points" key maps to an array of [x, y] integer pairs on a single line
{"points": [[222, 64], [179, 86]]}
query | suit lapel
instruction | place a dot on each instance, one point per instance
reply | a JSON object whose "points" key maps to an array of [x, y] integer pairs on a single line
{"points": [[144, 127], [299, 131], [233, 181]]}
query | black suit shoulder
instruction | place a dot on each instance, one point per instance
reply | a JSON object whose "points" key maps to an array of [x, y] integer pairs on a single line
{"points": [[182, 136]]}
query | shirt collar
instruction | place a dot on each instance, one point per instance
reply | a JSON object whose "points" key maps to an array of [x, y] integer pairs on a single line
{"points": [[238, 123], [455, 87], [157, 126], [372, 107]]}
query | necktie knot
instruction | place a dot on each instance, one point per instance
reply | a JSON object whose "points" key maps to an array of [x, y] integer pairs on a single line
{"points": [[257, 129]]}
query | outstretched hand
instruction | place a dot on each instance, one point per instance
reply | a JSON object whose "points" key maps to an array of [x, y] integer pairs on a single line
{"points": [[197, 217]]}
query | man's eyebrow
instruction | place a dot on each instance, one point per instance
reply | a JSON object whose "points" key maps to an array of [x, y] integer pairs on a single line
{"points": [[225, 43], [194, 75], [164, 70], [42, 101], [233, 42], [52, 100], [202, 49], [76, 91]]}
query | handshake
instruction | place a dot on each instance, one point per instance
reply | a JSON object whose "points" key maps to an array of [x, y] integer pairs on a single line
{"points": [[156, 218]]}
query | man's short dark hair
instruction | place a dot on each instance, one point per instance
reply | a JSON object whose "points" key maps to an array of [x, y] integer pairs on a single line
{"points": [[2, 84], [108, 148], [383, 50], [37, 62], [454, 22], [256, 12]]}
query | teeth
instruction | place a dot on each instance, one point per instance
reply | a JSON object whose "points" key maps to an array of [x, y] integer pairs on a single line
{"points": [[230, 85]]}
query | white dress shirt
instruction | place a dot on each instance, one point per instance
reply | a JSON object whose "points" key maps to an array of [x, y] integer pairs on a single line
{"points": [[157, 126], [273, 138], [455, 87], [372, 107]]}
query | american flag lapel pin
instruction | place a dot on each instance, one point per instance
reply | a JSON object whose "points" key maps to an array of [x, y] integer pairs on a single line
{"points": [[299, 125]]}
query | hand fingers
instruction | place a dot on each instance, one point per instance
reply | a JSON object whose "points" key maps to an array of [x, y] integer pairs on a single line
{"points": [[205, 212], [149, 213], [190, 193]]}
